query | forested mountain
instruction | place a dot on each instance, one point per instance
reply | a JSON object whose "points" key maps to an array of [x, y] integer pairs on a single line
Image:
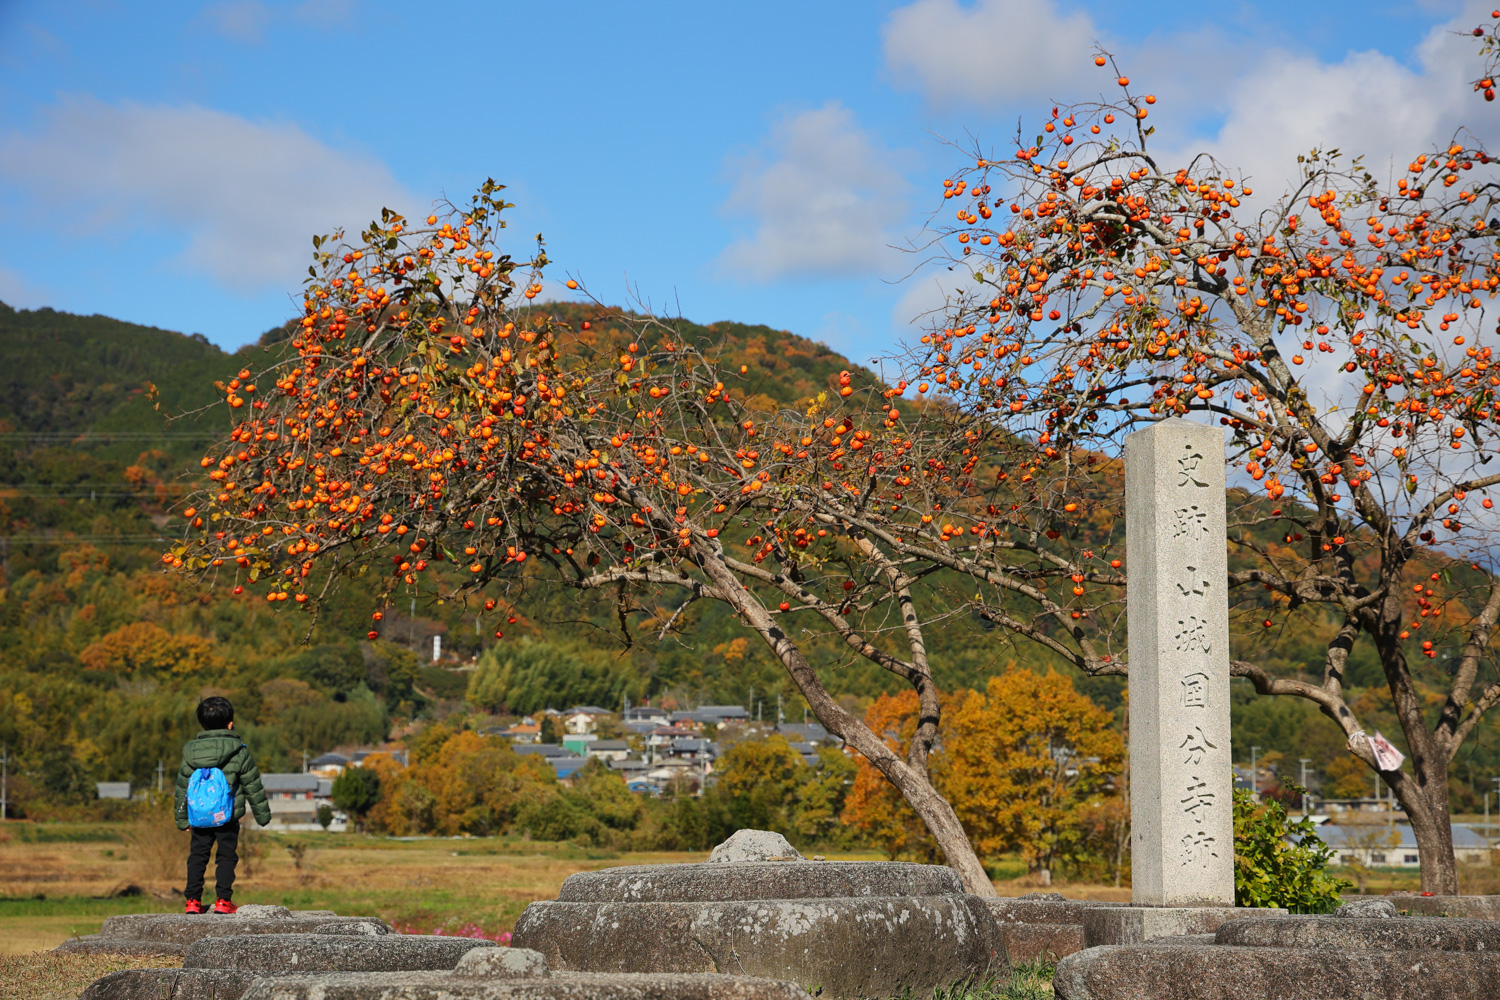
{"points": [[102, 656]]}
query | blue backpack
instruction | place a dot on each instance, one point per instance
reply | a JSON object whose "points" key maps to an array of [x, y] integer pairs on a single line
{"points": [[209, 801]]}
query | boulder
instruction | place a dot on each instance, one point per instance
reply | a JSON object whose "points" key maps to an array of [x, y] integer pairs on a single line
{"points": [[754, 845], [330, 952], [1363, 908], [1371, 933], [573, 986], [503, 963], [852, 929], [1195, 972]]}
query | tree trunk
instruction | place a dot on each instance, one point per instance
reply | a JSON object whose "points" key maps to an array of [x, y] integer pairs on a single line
{"points": [[934, 811], [1424, 796], [937, 815]]}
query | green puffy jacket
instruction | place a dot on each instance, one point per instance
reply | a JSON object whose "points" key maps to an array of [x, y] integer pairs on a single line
{"points": [[223, 748]]}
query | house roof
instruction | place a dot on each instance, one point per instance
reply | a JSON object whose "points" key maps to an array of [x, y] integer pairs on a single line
{"points": [[628, 764], [289, 782], [565, 766], [1369, 837], [587, 710], [722, 712], [542, 749], [609, 745], [806, 732], [327, 759]]}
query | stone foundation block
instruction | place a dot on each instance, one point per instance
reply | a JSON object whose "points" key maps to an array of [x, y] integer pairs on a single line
{"points": [[1023, 943], [1476, 907], [1188, 972], [868, 946], [1137, 924], [270, 953], [1370, 933], [851, 929], [578, 986]]}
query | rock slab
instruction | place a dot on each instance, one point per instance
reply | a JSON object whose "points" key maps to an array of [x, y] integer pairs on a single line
{"points": [[574, 986], [170, 933], [330, 953], [1192, 972], [1370, 933], [1477, 907]]}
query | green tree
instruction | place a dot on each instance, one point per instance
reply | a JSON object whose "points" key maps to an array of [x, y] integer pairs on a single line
{"points": [[356, 790]]}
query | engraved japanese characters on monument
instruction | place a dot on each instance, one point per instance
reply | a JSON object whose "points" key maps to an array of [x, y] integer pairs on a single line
{"points": [[1178, 615]]}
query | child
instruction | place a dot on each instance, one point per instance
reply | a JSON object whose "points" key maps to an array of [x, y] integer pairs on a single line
{"points": [[218, 747]]}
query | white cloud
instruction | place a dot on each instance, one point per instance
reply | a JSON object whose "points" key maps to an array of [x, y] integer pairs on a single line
{"points": [[247, 21], [240, 20], [18, 292], [1366, 104], [989, 51], [826, 201], [245, 196]]}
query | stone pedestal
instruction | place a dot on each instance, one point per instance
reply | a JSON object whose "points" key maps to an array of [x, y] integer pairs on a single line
{"points": [[853, 929], [1139, 924], [1181, 782]]}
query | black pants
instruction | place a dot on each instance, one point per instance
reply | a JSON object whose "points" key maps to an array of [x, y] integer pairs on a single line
{"points": [[203, 840]]}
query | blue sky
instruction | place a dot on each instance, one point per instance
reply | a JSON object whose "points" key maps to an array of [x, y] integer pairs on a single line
{"points": [[167, 163]]}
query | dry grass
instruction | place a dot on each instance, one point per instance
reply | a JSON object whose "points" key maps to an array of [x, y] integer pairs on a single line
{"points": [[156, 851], [42, 975]]}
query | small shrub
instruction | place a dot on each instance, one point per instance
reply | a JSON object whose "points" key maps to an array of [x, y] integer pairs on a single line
{"points": [[1278, 862]]}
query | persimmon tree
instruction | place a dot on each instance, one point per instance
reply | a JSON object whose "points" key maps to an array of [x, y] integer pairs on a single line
{"points": [[424, 426], [1337, 331]]}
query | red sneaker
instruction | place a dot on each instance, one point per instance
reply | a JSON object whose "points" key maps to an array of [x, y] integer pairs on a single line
{"points": [[224, 906], [193, 906]]}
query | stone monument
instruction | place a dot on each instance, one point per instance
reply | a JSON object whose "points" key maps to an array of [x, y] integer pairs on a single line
{"points": [[1177, 605]]}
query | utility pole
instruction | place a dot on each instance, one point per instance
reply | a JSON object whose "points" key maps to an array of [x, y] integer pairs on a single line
{"points": [[1254, 778], [1303, 782], [304, 762], [161, 769], [780, 716]]}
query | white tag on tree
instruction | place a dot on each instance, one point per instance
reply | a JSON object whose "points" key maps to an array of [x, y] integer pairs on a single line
{"points": [[1387, 757]]}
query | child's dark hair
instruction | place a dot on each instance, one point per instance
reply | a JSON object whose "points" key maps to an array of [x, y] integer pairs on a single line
{"points": [[215, 712]]}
